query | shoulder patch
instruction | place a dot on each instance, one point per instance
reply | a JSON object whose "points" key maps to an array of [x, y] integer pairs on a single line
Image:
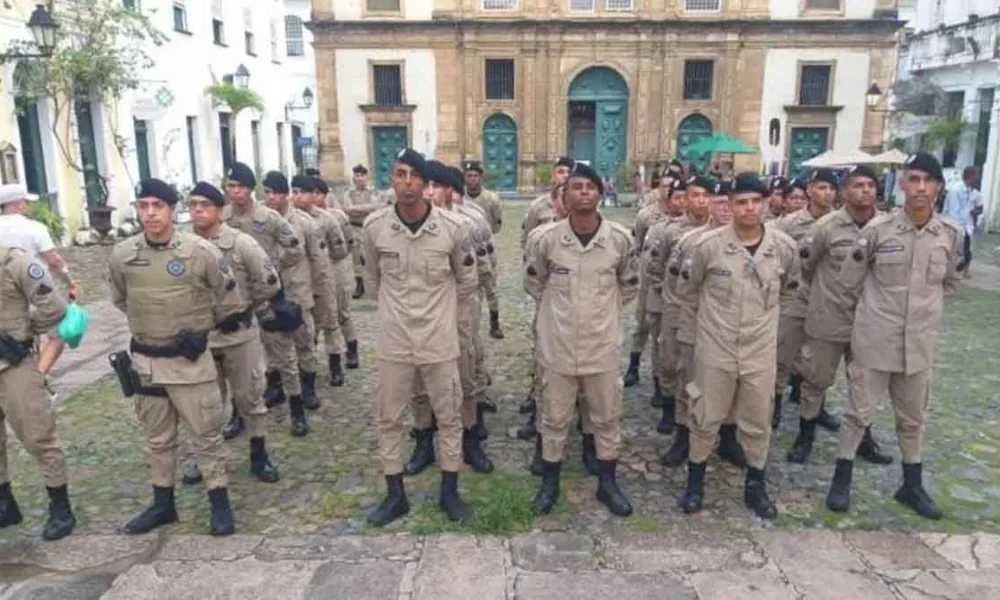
{"points": [[36, 272]]}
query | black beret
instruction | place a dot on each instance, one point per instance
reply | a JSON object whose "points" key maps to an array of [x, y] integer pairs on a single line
{"points": [[457, 179], [208, 191], [824, 175], [583, 170], [319, 185], [677, 185], [242, 174], [359, 170], [862, 171], [778, 183], [922, 161], [276, 182], [437, 172], [795, 183], [303, 182], [413, 159], [311, 172], [748, 182], [705, 183], [564, 161], [722, 188], [474, 165], [157, 188]]}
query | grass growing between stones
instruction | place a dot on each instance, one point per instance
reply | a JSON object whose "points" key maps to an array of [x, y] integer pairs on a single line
{"points": [[500, 504]]}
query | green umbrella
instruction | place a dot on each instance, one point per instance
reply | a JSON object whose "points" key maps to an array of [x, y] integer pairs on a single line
{"points": [[720, 143]]}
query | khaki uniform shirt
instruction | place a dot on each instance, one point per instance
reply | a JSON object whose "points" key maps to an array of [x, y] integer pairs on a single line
{"points": [[185, 285], [482, 241], [660, 242], [489, 201], [687, 302], [307, 277], [738, 297], [343, 268], [822, 254], [330, 234], [796, 225], [358, 204], [271, 231], [650, 198], [644, 221], [904, 274], [29, 303], [581, 293], [418, 280], [256, 277], [540, 211]]}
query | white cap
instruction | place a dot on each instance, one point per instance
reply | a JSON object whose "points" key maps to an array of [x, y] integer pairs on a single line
{"points": [[12, 192]]}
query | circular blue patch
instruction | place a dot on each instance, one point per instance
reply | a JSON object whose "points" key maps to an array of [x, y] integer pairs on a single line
{"points": [[176, 267], [223, 266], [35, 272], [258, 227]]}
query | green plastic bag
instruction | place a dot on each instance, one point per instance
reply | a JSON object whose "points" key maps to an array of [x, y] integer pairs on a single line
{"points": [[73, 325]]}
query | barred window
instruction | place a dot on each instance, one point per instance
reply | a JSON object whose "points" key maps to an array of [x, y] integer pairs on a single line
{"points": [[499, 4], [814, 85], [694, 5], [388, 85], [618, 5], [383, 5], [698, 79], [581, 5], [499, 79], [293, 36], [822, 4]]}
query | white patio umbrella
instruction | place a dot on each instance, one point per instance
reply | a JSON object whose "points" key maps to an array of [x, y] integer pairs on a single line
{"points": [[840, 159], [894, 156]]}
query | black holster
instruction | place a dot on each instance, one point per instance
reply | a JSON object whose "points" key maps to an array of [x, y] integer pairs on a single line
{"points": [[13, 351], [128, 377]]}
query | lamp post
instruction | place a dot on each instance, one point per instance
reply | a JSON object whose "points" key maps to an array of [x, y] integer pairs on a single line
{"points": [[43, 29], [307, 102], [242, 77]]}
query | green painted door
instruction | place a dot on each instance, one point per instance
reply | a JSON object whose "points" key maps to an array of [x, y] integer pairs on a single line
{"points": [[500, 151], [386, 143], [96, 193], [30, 132], [692, 129], [608, 92], [805, 143]]}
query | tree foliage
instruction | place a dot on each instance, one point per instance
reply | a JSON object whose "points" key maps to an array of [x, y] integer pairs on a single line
{"points": [[235, 97], [946, 133]]}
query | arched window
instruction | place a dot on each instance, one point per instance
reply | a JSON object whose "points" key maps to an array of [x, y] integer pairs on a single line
{"points": [[294, 45]]}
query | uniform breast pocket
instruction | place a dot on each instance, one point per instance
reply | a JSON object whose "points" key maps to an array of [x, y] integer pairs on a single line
{"points": [[891, 268], [937, 266], [560, 277], [437, 265], [390, 264], [719, 286]]}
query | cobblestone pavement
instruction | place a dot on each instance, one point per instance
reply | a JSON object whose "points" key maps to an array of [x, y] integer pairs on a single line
{"points": [[711, 565], [331, 478]]}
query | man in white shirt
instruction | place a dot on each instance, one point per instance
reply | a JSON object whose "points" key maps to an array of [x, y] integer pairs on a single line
{"points": [[964, 203]]}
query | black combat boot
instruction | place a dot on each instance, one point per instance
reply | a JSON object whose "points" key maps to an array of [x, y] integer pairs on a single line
{"points": [[657, 400], [826, 420], [359, 288], [776, 415], [260, 463], [694, 494], [336, 371], [537, 468], [352, 361], [632, 374], [274, 394], [803, 444], [870, 451], [10, 513], [666, 424], [451, 503], [473, 454], [729, 448], [479, 427], [589, 447], [677, 455], [838, 499], [528, 406], [61, 520], [495, 331], [423, 452], [486, 404], [608, 492], [755, 494], [234, 427], [192, 474], [912, 493], [161, 512], [529, 429], [220, 521], [548, 493], [297, 414], [795, 385], [309, 399], [393, 506]]}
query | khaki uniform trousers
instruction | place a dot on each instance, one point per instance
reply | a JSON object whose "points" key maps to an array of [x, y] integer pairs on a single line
{"points": [[344, 312], [666, 354], [279, 350], [198, 406], [909, 395], [481, 378], [357, 232], [717, 392], [818, 363], [489, 291], [304, 339], [421, 404], [791, 334], [396, 385], [601, 405], [685, 375], [241, 372], [326, 315], [641, 333], [25, 405]]}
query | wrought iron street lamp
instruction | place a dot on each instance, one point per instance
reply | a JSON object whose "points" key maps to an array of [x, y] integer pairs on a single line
{"points": [[43, 29]]}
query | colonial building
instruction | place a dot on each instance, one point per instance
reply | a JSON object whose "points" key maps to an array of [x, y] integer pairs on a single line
{"points": [[615, 82]]}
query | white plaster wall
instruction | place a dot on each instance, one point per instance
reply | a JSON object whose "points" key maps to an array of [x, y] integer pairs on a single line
{"points": [[791, 9], [931, 13], [301, 71], [851, 81], [413, 10], [353, 85]]}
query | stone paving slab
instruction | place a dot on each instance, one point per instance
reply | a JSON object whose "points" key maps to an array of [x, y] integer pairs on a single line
{"points": [[743, 585], [247, 579], [979, 584], [600, 586], [462, 568]]}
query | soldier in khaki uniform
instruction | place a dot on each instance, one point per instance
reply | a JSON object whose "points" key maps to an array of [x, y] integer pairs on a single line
{"points": [[668, 205], [286, 251], [822, 188], [776, 199], [420, 265], [904, 264], [673, 172], [738, 272], [359, 202], [489, 201], [582, 271], [443, 183], [330, 238], [720, 214], [795, 196], [830, 315], [239, 355], [29, 306], [175, 288]]}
